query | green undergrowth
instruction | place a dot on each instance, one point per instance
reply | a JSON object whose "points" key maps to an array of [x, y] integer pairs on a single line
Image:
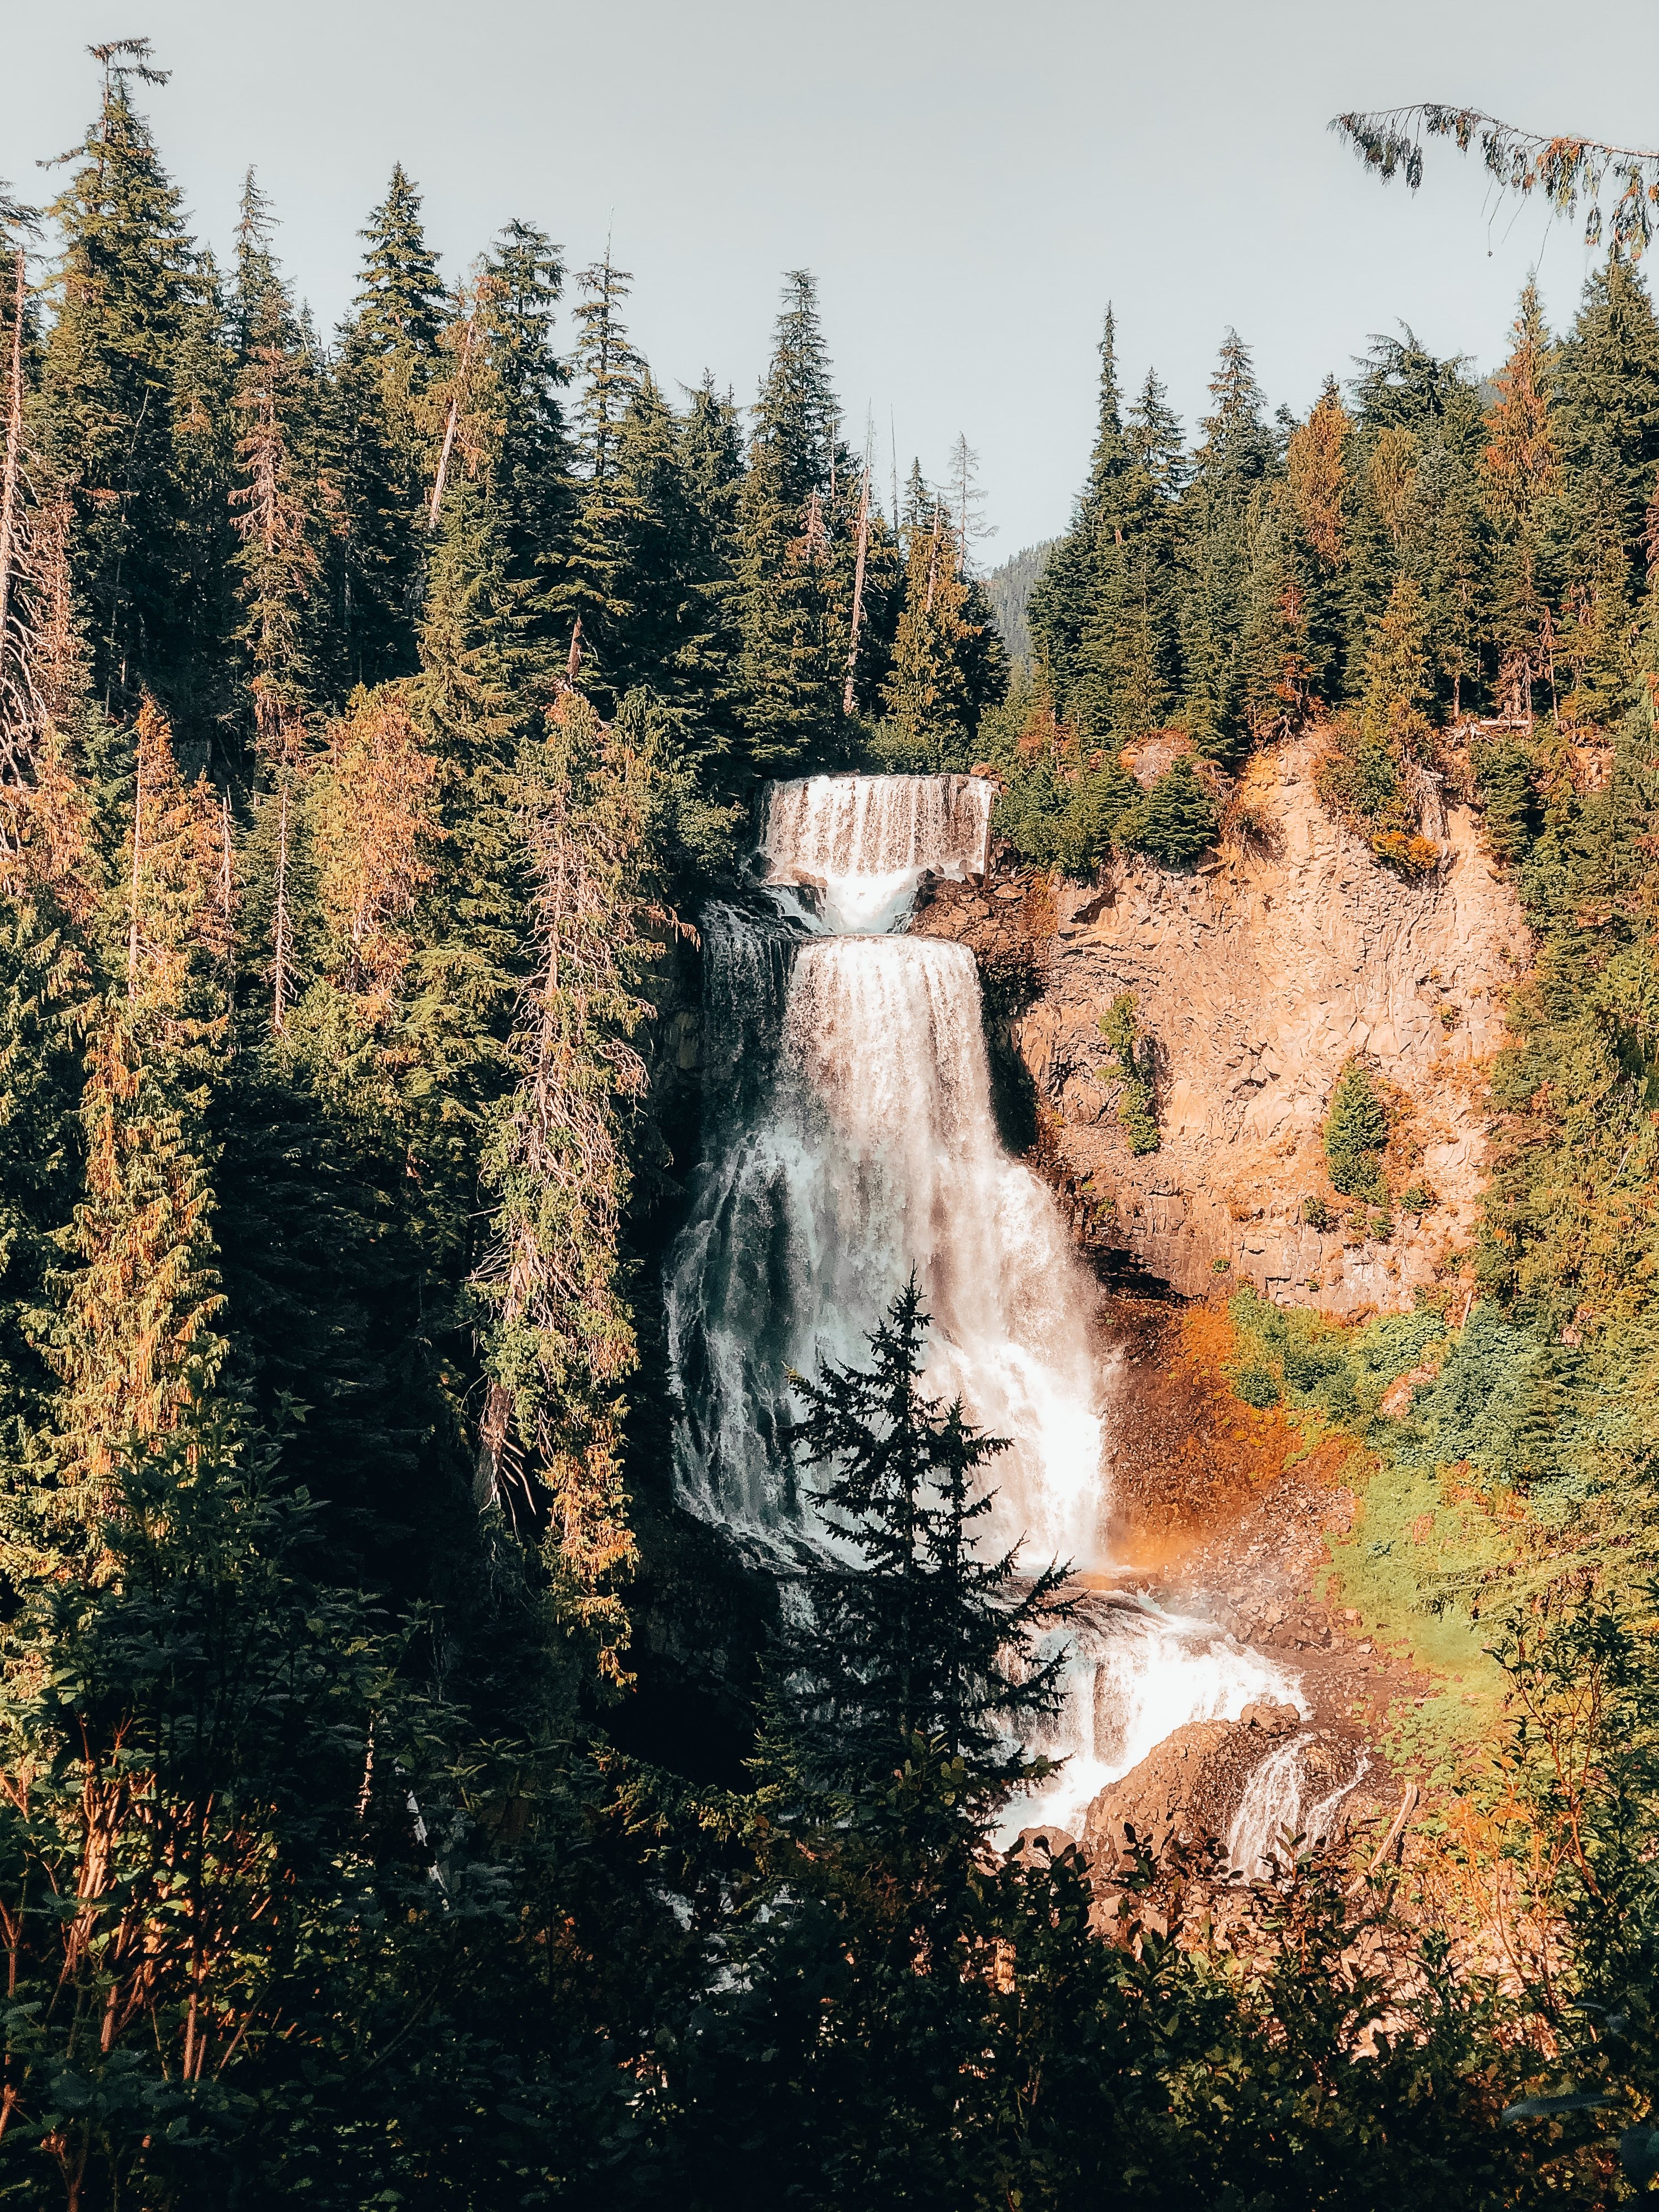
{"points": [[1448, 1540]]}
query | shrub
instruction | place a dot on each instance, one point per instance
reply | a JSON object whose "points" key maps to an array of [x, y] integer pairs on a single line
{"points": [[1356, 1133], [1137, 1103], [1257, 1386], [1316, 1214]]}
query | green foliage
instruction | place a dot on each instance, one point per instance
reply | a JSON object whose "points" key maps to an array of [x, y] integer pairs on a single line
{"points": [[923, 1646], [1356, 1133], [1257, 1386], [1136, 1103], [1176, 820]]}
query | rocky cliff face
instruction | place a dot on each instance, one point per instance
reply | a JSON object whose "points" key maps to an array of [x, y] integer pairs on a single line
{"points": [[1257, 977]]}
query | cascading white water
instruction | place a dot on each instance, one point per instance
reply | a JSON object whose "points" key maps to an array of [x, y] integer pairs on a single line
{"points": [[849, 1138], [1272, 1810]]}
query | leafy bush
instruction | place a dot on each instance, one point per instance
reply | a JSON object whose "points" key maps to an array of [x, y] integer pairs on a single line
{"points": [[1316, 1214], [1356, 1133], [1257, 1386]]}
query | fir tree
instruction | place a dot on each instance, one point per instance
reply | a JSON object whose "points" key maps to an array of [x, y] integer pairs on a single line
{"points": [[593, 588], [128, 280], [1064, 598], [1520, 469], [1176, 820], [1606, 421], [276, 502], [1129, 660], [925, 1643], [1235, 454], [793, 640], [388, 356]]}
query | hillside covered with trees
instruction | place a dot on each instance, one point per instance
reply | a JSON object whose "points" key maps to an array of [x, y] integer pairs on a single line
{"points": [[376, 711]]}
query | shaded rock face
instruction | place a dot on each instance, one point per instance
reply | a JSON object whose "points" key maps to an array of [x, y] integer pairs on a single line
{"points": [[1257, 977]]}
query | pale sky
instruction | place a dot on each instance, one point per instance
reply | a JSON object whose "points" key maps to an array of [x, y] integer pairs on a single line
{"points": [[971, 182]]}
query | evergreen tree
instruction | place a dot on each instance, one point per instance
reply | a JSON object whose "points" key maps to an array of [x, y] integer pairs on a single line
{"points": [[794, 638], [947, 667], [1176, 820], [924, 1643], [1064, 598], [388, 357], [128, 282], [1129, 653], [277, 505], [1606, 421], [1356, 1133], [1235, 453], [531, 470], [1520, 467]]}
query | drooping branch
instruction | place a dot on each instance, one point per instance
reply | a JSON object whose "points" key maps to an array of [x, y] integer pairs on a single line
{"points": [[1566, 171]]}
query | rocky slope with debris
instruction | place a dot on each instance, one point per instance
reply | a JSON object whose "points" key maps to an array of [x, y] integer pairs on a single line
{"points": [[1257, 977]]}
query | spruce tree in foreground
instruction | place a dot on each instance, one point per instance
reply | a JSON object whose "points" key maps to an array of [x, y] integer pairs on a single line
{"points": [[923, 1643]]}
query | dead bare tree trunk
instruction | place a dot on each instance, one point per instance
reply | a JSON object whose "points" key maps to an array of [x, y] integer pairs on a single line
{"points": [[456, 399], [9, 489], [858, 591], [137, 843], [281, 948]]}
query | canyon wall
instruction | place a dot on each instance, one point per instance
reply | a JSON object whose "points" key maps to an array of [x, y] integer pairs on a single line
{"points": [[1257, 977]]}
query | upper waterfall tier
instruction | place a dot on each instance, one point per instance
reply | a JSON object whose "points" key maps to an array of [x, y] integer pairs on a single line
{"points": [[881, 830]]}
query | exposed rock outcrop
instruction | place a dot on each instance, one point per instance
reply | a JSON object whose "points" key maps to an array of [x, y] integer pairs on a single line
{"points": [[1187, 1788], [1257, 977]]}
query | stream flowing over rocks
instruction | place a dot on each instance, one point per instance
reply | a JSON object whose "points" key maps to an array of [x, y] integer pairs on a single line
{"points": [[849, 1139]]}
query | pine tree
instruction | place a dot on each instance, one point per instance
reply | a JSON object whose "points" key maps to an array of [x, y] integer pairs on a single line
{"points": [[1065, 596], [1606, 421], [1128, 657], [1176, 820], [128, 280], [793, 632], [388, 357], [924, 1644], [946, 667], [561, 1342], [594, 585], [1356, 1133], [276, 502], [1235, 454], [1520, 469], [532, 467], [372, 824], [1414, 465]]}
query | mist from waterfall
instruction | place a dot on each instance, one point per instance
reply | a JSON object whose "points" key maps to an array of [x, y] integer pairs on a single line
{"points": [[849, 1139]]}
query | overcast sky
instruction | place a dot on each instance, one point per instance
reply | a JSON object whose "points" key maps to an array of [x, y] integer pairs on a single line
{"points": [[971, 182]]}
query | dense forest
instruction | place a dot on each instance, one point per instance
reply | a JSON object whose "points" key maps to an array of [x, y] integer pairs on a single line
{"points": [[375, 712]]}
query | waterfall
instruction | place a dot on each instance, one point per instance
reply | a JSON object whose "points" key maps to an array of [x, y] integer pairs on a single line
{"points": [[849, 1139], [1271, 1809]]}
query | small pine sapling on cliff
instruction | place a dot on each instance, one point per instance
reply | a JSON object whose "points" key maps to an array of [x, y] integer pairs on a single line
{"points": [[1357, 1135], [1137, 1101]]}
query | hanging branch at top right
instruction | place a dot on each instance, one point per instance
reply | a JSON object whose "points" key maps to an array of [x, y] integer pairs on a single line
{"points": [[1568, 172]]}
